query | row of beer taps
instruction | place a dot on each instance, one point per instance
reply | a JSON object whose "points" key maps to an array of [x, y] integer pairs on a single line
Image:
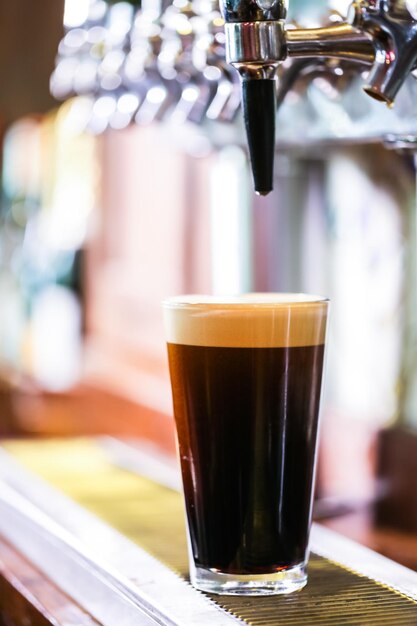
{"points": [[176, 60], [160, 61]]}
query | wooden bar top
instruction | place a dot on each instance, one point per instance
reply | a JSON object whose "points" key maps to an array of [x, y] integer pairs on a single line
{"points": [[28, 597]]}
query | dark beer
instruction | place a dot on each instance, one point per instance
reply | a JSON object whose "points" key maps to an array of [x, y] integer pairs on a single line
{"points": [[246, 377], [247, 425]]}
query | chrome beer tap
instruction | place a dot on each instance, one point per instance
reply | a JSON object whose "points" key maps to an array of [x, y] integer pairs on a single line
{"points": [[378, 35], [209, 59]]}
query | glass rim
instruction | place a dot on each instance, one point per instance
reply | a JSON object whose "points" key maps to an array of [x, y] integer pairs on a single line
{"points": [[252, 300]]}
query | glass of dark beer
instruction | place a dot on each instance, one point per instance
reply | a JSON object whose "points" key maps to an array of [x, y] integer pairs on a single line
{"points": [[246, 375]]}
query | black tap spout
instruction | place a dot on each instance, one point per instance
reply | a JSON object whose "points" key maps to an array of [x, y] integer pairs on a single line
{"points": [[259, 110], [254, 46]]}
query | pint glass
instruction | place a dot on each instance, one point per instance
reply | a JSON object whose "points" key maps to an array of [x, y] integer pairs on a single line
{"points": [[246, 376]]}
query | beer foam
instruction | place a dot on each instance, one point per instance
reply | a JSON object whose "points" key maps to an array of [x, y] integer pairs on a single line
{"points": [[255, 320]]}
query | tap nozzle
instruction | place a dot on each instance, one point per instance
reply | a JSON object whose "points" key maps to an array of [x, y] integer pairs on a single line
{"points": [[259, 110], [393, 30], [255, 47]]}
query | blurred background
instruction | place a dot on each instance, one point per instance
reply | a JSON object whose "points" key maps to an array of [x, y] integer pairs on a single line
{"points": [[124, 179]]}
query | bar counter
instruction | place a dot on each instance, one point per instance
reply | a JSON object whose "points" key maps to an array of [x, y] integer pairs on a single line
{"points": [[92, 532]]}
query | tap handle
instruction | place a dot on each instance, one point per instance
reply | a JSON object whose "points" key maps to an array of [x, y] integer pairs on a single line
{"points": [[259, 109]]}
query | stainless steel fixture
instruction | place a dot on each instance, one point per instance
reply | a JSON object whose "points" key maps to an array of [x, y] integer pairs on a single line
{"points": [[379, 35], [171, 61]]}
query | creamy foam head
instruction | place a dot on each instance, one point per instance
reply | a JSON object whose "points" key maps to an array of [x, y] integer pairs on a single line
{"points": [[248, 321]]}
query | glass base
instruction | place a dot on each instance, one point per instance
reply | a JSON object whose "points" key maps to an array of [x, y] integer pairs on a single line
{"points": [[286, 581]]}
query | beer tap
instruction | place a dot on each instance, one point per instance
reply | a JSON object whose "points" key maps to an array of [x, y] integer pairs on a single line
{"points": [[209, 60], [380, 35], [394, 36]]}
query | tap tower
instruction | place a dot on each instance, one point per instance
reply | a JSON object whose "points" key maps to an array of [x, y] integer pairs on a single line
{"points": [[379, 36]]}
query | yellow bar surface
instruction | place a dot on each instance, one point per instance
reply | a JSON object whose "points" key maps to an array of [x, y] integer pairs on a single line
{"points": [[152, 516]]}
